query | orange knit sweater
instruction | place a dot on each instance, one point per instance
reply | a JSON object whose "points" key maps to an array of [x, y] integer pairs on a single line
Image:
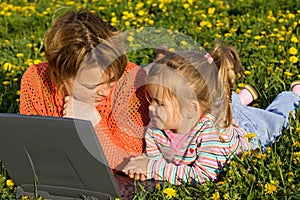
{"points": [[124, 114]]}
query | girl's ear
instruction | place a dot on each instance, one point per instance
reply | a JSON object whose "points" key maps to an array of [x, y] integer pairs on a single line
{"points": [[194, 109]]}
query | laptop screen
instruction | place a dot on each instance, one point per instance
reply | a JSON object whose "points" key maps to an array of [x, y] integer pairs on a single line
{"points": [[60, 158]]}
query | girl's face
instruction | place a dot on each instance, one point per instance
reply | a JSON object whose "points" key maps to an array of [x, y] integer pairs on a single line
{"points": [[91, 85], [165, 113]]}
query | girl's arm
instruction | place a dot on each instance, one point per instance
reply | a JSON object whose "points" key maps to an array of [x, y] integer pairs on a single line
{"points": [[212, 154]]}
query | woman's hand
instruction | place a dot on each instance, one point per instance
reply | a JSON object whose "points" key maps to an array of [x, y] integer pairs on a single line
{"points": [[74, 108], [137, 168]]}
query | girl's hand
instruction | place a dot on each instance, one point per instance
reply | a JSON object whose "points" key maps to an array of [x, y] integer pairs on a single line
{"points": [[74, 108], [137, 168]]}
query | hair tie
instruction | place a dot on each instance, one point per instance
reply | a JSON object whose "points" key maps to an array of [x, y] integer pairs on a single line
{"points": [[208, 58]]}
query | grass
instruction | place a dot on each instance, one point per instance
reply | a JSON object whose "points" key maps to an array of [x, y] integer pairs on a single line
{"points": [[265, 32]]}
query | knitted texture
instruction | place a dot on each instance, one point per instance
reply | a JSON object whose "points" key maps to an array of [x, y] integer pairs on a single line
{"points": [[124, 113]]}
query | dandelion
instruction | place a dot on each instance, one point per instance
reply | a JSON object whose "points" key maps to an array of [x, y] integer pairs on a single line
{"points": [[293, 51], [20, 55], [296, 143], [250, 135], [211, 10], [37, 61], [170, 192], [262, 46], [150, 22], [24, 198], [5, 82], [183, 43], [241, 85], [261, 156], [226, 196], [130, 38], [293, 59], [271, 187], [9, 183], [247, 72], [257, 37], [296, 154], [294, 39], [157, 186], [216, 196], [186, 5]]}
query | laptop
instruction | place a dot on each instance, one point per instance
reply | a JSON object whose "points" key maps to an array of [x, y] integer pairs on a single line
{"points": [[60, 158]]}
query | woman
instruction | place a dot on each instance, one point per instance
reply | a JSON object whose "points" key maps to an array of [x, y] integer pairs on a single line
{"points": [[87, 75]]}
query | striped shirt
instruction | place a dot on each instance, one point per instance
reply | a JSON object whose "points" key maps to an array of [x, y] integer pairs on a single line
{"points": [[201, 157]]}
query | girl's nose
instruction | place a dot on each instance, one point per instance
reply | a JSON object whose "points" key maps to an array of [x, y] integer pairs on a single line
{"points": [[151, 108]]}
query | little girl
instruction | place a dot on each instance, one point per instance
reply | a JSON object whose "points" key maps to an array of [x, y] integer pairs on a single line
{"points": [[192, 133]]}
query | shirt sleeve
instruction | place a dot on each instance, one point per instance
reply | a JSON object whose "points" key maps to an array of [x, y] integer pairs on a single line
{"points": [[211, 157], [30, 102], [151, 150]]}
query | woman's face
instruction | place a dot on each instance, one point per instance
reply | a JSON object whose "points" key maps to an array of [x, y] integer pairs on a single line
{"points": [[91, 85]]}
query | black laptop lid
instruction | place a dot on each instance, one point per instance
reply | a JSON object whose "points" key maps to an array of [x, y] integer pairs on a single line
{"points": [[61, 156]]}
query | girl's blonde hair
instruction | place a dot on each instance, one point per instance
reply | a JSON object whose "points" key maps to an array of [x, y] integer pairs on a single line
{"points": [[191, 75]]}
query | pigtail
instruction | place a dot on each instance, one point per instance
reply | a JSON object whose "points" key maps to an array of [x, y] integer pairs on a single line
{"points": [[228, 63]]}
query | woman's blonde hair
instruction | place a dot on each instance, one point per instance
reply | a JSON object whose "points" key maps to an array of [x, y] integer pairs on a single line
{"points": [[72, 37], [210, 81]]}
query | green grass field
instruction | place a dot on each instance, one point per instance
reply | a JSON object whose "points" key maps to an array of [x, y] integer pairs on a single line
{"points": [[265, 32]]}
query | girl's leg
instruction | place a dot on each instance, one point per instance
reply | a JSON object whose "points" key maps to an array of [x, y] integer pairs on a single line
{"points": [[285, 104]]}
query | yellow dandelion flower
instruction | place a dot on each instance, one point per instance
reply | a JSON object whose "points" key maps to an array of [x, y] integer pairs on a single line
{"points": [[293, 51], [5, 82], [70, 3], [7, 66], [226, 196], [203, 23], [114, 20], [170, 192], [296, 143], [218, 35], [141, 13], [262, 46], [296, 154], [261, 156], [216, 196], [127, 23], [186, 5], [211, 10], [257, 37], [9, 183], [241, 85], [20, 55], [270, 188], [291, 174], [150, 22], [220, 182], [37, 61], [293, 59], [183, 43], [157, 186], [294, 39], [247, 72], [288, 74], [250, 135], [130, 38]]}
